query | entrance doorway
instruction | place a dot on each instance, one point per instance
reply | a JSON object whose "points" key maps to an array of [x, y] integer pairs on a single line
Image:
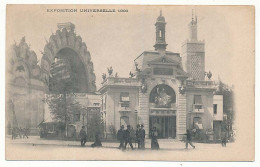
{"points": [[165, 125]]}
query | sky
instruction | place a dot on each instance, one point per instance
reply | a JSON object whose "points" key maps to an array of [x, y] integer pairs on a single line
{"points": [[116, 39]]}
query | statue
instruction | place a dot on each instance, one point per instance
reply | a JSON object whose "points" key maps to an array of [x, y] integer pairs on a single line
{"points": [[110, 70], [136, 67], [143, 86], [104, 76], [209, 75], [116, 75], [162, 99], [182, 89], [131, 74]]}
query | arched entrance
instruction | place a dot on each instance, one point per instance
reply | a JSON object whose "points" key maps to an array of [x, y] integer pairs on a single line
{"points": [[162, 113], [68, 65], [69, 48]]}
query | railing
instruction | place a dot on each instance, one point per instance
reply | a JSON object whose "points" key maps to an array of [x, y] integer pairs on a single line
{"points": [[194, 83], [121, 81], [197, 108]]}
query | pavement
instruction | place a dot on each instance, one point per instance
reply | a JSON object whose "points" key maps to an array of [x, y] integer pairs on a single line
{"points": [[165, 144], [36, 148]]}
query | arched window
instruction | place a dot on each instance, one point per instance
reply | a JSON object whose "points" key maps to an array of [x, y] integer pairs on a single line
{"points": [[162, 96]]}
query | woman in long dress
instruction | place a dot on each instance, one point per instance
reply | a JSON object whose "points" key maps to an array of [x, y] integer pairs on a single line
{"points": [[154, 141]]}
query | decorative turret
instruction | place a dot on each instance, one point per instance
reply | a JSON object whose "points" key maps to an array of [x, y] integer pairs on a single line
{"points": [[193, 52], [193, 28], [160, 43]]}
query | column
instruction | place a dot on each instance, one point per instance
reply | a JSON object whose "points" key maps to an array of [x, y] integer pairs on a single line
{"points": [[181, 116], [143, 112]]}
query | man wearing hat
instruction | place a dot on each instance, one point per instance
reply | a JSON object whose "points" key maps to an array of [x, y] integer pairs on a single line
{"points": [[83, 136], [120, 137], [127, 137], [142, 137]]}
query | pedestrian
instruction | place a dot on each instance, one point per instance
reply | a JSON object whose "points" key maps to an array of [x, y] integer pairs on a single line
{"points": [[13, 134], [154, 141], [20, 132], [224, 139], [188, 139], [25, 132], [127, 137], [97, 142], [120, 137], [138, 136], [83, 136], [142, 137]]}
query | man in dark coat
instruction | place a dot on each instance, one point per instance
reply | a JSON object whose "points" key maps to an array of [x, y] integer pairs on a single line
{"points": [[127, 137], [120, 137], [138, 136], [154, 141], [224, 139], [142, 137], [97, 142], [188, 139], [83, 136]]}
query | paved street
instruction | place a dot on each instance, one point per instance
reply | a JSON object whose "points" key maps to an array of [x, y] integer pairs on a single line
{"points": [[35, 148]]}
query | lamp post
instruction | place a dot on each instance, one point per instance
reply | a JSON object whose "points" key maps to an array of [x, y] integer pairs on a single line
{"points": [[136, 112]]}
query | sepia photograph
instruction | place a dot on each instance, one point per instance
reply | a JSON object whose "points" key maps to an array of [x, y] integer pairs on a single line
{"points": [[130, 82]]}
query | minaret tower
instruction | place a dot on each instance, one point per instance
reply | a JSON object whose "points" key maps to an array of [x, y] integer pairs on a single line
{"points": [[193, 53], [160, 44]]}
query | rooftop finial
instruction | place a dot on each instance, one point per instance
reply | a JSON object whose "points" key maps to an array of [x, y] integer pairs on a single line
{"points": [[192, 15]]}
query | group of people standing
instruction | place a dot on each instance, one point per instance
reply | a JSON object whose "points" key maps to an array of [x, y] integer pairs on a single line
{"points": [[21, 132], [125, 137]]}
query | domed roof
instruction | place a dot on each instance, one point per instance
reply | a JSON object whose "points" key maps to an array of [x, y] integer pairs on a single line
{"points": [[160, 18]]}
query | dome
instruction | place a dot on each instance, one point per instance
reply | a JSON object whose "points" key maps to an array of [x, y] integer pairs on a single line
{"points": [[160, 19]]}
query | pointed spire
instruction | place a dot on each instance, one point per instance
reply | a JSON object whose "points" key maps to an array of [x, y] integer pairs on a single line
{"points": [[161, 12], [192, 16], [196, 16]]}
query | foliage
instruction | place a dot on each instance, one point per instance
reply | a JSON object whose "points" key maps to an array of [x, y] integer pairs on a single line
{"points": [[95, 126], [200, 135], [63, 107], [228, 107]]}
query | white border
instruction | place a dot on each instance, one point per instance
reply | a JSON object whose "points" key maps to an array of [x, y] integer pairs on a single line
{"points": [[4, 163]]}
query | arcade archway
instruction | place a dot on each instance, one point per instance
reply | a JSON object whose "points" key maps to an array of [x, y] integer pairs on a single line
{"points": [[163, 111]]}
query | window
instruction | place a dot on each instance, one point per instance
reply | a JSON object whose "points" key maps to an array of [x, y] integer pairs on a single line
{"points": [[162, 71], [197, 102], [124, 97], [197, 99], [77, 117], [215, 108]]}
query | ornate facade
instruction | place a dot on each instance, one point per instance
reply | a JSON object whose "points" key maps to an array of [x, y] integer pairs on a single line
{"points": [[162, 93]]}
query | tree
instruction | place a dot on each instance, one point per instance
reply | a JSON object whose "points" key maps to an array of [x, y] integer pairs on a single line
{"points": [[61, 110], [228, 106], [95, 126]]}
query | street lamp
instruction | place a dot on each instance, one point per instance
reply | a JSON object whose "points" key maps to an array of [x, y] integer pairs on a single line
{"points": [[136, 112]]}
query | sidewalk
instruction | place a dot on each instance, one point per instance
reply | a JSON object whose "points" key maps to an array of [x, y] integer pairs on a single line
{"points": [[165, 144]]}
